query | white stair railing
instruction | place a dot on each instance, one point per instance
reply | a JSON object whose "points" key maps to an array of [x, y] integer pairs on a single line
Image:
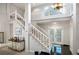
{"points": [[20, 24], [42, 38], [15, 16], [18, 18], [36, 33], [41, 29]]}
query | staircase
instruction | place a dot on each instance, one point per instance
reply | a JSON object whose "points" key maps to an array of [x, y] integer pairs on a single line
{"points": [[16, 17], [40, 37], [36, 33]]}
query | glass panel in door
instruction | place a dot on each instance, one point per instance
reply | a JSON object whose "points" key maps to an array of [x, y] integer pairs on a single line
{"points": [[52, 34], [57, 35]]}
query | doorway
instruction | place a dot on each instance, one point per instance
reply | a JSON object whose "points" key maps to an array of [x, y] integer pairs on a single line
{"points": [[56, 35]]}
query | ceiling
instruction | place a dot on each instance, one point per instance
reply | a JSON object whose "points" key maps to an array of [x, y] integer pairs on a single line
{"points": [[35, 5], [20, 5]]}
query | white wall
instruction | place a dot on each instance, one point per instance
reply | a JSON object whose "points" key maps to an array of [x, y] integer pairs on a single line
{"points": [[65, 26], [71, 36], [5, 9], [77, 26], [26, 28], [75, 23], [12, 8], [16, 25], [3, 20]]}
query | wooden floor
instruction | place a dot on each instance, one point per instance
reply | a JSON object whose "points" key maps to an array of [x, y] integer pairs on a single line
{"points": [[6, 51], [66, 50]]}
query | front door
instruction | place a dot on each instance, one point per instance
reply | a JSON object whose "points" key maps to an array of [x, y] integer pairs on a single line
{"points": [[56, 35]]}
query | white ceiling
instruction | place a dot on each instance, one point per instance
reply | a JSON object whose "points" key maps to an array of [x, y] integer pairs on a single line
{"points": [[20, 5], [35, 5]]}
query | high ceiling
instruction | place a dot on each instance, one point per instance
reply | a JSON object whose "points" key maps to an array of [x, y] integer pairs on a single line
{"points": [[35, 5], [20, 5]]}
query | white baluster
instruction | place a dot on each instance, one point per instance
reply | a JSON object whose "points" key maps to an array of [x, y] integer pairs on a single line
{"points": [[42, 38]]}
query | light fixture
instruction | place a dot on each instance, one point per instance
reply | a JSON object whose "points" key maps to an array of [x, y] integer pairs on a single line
{"points": [[58, 5]]}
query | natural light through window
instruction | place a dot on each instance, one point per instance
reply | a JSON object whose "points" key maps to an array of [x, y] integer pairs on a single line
{"points": [[54, 9]]}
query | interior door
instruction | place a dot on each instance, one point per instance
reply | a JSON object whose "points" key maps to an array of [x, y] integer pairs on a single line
{"points": [[52, 34], [58, 36]]}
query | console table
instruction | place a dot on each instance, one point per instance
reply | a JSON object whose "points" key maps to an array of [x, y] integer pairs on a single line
{"points": [[17, 45]]}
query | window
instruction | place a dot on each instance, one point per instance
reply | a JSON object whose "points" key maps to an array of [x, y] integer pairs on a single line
{"points": [[54, 9]]}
